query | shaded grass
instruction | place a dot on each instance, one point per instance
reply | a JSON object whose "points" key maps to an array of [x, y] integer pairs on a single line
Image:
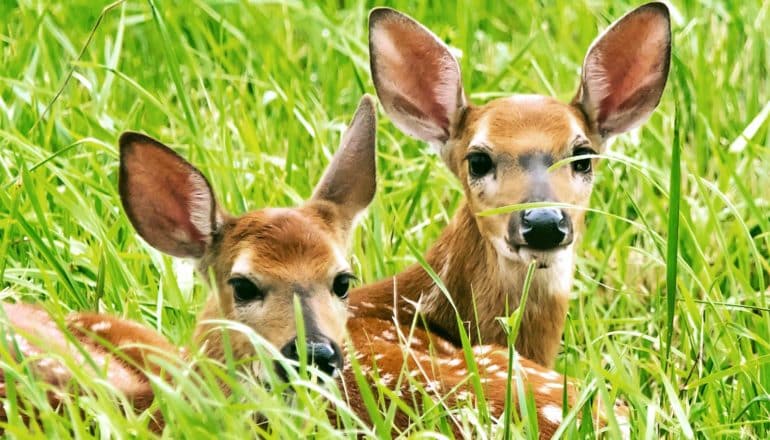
{"points": [[256, 94]]}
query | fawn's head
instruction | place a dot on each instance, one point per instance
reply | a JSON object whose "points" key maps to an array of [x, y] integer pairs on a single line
{"points": [[502, 151], [261, 260]]}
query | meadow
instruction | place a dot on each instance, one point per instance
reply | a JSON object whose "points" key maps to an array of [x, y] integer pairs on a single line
{"points": [[671, 306]]}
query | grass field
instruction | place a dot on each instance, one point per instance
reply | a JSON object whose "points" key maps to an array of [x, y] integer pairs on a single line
{"points": [[257, 93]]}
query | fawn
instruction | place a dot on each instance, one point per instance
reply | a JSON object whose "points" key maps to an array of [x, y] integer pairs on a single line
{"points": [[502, 152], [260, 261]]}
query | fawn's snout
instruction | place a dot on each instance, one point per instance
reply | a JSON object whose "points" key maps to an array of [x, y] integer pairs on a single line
{"points": [[540, 228], [322, 353]]}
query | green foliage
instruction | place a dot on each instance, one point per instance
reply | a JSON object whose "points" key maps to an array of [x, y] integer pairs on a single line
{"points": [[257, 94]]}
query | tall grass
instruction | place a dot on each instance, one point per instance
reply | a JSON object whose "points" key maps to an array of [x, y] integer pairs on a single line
{"points": [[256, 94]]}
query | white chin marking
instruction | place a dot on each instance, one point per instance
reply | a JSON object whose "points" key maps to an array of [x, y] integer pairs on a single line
{"points": [[560, 258], [557, 259], [555, 267]]}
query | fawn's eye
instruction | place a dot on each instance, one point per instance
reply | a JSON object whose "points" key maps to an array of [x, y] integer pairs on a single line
{"points": [[341, 285], [479, 164], [582, 166], [245, 290]]}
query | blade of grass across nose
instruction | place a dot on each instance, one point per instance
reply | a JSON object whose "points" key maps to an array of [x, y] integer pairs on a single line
{"points": [[533, 205], [301, 341]]}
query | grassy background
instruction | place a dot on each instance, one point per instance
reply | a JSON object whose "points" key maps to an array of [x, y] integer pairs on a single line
{"points": [[257, 93]]}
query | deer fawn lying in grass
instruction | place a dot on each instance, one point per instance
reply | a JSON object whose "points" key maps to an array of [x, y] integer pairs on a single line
{"points": [[260, 261], [503, 152]]}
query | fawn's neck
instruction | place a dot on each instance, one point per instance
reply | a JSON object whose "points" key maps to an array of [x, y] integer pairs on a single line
{"points": [[480, 283]]}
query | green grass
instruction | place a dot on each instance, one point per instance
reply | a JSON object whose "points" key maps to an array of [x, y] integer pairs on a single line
{"points": [[256, 94]]}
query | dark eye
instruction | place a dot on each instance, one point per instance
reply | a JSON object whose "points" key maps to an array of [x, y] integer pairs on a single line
{"points": [[341, 285], [582, 166], [244, 290], [479, 164]]}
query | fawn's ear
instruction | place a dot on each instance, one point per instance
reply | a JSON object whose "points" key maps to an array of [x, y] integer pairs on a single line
{"points": [[417, 78], [625, 71], [350, 180], [169, 202]]}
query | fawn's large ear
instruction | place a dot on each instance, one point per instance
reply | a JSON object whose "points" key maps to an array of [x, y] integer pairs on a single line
{"points": [[169, 202], [417, 78], [350, 180], [625, 71]]}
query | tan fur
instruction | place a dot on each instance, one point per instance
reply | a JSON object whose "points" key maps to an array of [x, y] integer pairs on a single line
{"points": [[473, 270], [288, 249], [481, 259], [124, 349]]}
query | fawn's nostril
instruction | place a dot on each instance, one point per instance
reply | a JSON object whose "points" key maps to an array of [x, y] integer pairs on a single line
{"points": [[324, 355], [289, 351], [545, 228]]}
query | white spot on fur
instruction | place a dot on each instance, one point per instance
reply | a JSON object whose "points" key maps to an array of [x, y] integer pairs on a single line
{"points": [[46, 363], [242, 264], [552, 413], [388, 335], [101, 326], [433, 386], [59, 371], [492, 368], [454, 362], [445, 345], [463, 395], [550, 375], [481, 137], [547, 387], [367, 304]]}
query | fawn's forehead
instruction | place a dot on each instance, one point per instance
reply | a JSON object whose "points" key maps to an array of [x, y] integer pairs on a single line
{"points": [[286, 244], [523, 124]]}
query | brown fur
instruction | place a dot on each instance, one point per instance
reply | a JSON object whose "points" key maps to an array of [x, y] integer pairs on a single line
{"points": [[287, 252], [482, 266], [439, 369], [289, 249]]}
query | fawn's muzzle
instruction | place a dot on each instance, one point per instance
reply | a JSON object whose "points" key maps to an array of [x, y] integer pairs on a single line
{"points": [[321, 353], [540, 228]]}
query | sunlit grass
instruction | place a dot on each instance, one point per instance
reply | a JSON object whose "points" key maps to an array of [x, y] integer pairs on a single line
{"points": [[256, 94]]}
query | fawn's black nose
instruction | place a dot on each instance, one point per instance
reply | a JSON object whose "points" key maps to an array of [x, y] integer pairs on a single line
{"points": [[321, 353], [545, 228]]}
